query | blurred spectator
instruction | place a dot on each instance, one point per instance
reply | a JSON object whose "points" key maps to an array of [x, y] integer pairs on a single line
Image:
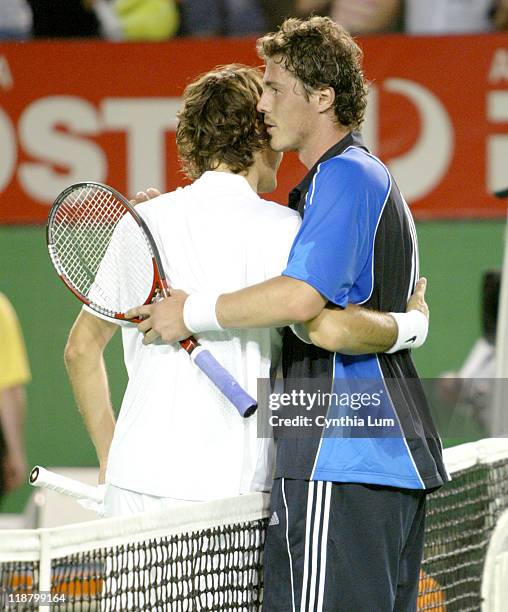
{"points": [[471, 386], [455, 16], [367, 16], [499, 15], [63, 19], [14, 374], [357, 16], [276, 12], [112, 19], [137, 20], [222, 17], [414, 16], [15, 20]]}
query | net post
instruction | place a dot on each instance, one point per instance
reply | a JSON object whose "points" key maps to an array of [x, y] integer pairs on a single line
{"points": [[44, 565], [495, 572]]}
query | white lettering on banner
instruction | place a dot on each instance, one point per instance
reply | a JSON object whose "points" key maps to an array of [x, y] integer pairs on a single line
{"points": [[497, 106], [146, 121], [6, 80], [421, 170], [41, 136], [499, 67], [497, 146], [8, 150]]}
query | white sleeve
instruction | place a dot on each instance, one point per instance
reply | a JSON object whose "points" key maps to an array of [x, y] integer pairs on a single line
{"points": [[279, 243]]}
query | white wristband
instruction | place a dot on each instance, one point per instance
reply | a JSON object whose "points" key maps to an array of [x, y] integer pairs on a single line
{"points": [[413, 328], [199, 313]]}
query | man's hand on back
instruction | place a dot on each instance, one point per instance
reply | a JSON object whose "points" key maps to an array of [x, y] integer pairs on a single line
{"points": [[144, 196], [417, 300]]}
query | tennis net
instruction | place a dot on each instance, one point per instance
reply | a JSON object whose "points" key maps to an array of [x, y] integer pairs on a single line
{"points": [[208, 557]]}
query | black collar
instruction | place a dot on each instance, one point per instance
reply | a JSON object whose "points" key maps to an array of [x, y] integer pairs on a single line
{"points": [[297, 195]]}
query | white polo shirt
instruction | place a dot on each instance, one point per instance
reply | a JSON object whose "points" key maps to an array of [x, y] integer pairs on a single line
{"points": [[176, 435]]}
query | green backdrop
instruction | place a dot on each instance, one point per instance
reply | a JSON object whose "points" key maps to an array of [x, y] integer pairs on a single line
{"points": [[453, 256]]}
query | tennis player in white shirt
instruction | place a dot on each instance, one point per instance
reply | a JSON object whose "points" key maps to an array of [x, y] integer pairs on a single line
{"points": [[177, 439]]}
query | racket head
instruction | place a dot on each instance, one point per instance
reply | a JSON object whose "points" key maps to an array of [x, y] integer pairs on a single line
{"points": [[103, 250]]}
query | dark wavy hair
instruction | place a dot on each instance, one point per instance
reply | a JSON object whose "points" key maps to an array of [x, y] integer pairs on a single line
{"points": [[321, 53], [219, 123]]}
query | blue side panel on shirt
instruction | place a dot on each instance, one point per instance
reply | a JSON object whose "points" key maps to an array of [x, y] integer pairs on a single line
{"points": [[333, 251], [363, 449]]}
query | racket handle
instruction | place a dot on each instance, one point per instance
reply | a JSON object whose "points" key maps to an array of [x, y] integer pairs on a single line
{"points": [[241, 400], [40, 477]]}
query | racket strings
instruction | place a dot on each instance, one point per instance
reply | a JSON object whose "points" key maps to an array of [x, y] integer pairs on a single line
{"points": [[102, 251], [80, 244]]}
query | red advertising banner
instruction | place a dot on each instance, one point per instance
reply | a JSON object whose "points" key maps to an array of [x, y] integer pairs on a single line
{"points": [[71, 111]]}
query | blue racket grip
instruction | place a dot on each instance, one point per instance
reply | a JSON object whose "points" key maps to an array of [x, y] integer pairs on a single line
{"points": [[241, 400]]}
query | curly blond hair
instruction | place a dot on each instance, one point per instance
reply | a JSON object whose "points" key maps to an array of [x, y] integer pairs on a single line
{"points": [[321, 53], [219, 123]]}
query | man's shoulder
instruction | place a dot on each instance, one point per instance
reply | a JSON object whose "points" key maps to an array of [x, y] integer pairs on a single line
{"points": [[188, 200], [352, 158], [161, 202], [356, 166], [277, 211]]}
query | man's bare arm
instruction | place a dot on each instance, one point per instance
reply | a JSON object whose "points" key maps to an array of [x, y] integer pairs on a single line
{"points": [[358, 331], [12, 418], [277, 302], [273, 303], [87, 374], [352, 330]]}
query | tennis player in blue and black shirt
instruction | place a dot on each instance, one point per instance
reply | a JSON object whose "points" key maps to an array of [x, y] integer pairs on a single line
{"points": [[348, 501]]}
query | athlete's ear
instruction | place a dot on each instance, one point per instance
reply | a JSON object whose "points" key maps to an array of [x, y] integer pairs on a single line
{"points": [[325, 98]]}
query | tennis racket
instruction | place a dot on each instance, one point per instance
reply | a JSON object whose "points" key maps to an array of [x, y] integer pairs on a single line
{"points": [[89, 496], [95, 237]]}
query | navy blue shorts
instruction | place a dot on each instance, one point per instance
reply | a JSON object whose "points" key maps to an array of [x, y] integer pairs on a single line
{"points": [[340, 546]]}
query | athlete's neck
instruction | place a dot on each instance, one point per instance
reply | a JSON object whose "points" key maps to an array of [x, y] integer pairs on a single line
{"points": [[319, 142], [251, 175]]}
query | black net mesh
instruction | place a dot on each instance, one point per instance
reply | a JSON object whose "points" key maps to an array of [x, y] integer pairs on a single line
{"points": [[460, 519], [210, 570]]}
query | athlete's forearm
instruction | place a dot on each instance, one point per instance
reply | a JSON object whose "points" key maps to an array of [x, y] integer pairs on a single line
{"points": [[357, 331], [87, 374], [274, 303], [12, 413], [12, 417], [91, 391], [353, 330]]}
